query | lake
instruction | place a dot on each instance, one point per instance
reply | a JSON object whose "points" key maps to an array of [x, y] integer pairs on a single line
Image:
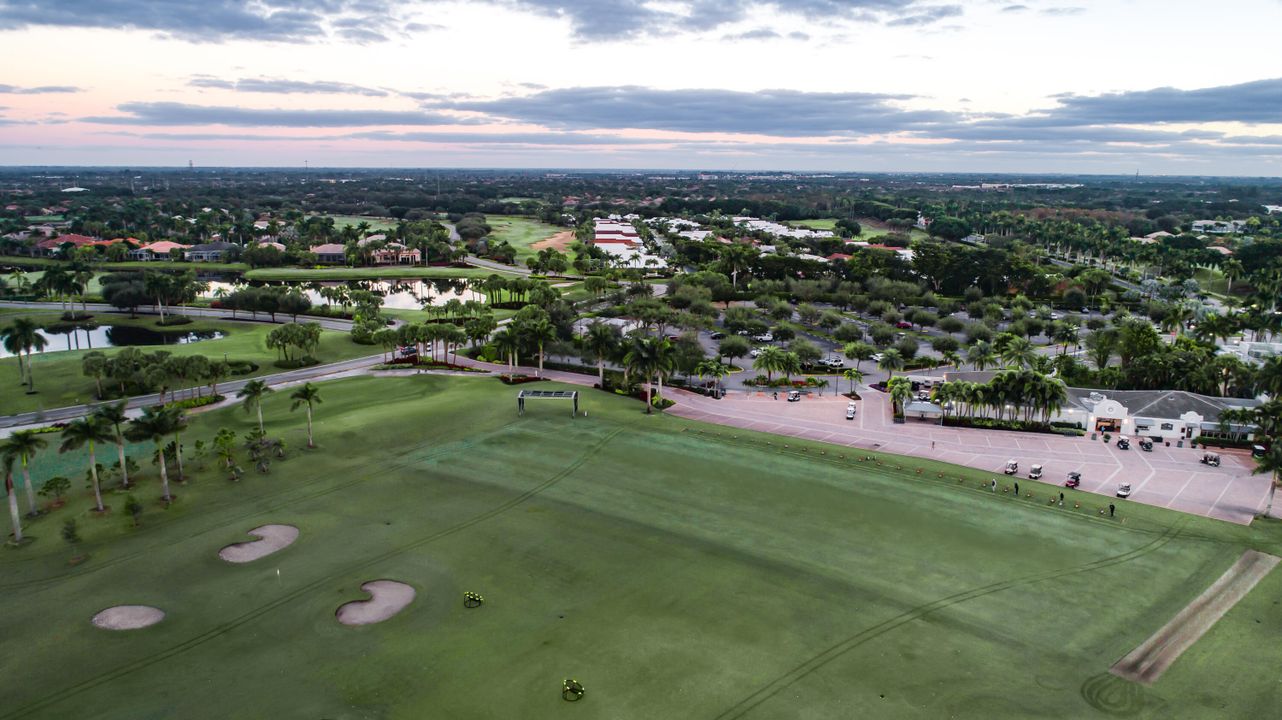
{"points": [[97, 337], [397, 294]]}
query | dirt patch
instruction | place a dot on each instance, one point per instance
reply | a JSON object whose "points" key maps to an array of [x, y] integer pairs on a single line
{"points": [[386, 598], [1146, 663], [128, 617], [271, 539], [559, 242]]}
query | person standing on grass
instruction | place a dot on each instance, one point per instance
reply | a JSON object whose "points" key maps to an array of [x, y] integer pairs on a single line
{"points": [[1016, 489], [1111, 509], [1061, 499], [994, 484]]}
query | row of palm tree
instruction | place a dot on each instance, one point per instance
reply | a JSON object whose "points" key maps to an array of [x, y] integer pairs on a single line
{"points": [[110, 424], [1012, 394]]}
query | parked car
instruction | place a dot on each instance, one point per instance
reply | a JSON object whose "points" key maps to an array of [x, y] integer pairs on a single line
{"points": [[833, 362], [1146, 445], [1124, 490], [764, 337], [1012, 467], [754, 352], [876, 357], [850, 411], [1258, 451], [718, 335], [1123, 444], [794, 396], [1035, 472], [904, 325], [1074, 479], [1212, 459]]}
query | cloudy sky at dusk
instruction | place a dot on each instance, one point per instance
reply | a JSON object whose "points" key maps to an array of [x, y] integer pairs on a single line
{"points": [[1116, 86]]}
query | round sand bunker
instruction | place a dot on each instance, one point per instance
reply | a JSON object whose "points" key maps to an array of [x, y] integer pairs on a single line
{"points": [[128, 617], [387, 597], [271, 539]]}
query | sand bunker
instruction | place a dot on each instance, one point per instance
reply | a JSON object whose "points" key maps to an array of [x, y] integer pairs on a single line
{"points": [[272, 538], [128, 617], [559, 242], [387, 597]]}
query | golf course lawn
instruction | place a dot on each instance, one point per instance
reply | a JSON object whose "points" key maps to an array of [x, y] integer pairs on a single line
{"points": [[520, 232], [60, 381], [675, 569], [382, 272]]}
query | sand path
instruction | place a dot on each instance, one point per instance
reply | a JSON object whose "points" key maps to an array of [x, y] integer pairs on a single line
{"points": [[559, 242], [128, 617]]}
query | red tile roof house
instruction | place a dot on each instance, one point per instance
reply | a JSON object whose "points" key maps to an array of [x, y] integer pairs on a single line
{"points": [[51, 246], [330, 253], [396, 254], [156, 251]]}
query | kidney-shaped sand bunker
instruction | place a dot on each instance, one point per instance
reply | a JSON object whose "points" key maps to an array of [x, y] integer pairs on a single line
{"points": [[386, 598], [270, 539]]}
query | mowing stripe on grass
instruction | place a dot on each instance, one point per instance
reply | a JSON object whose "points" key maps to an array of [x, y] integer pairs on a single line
{"points": [[818, 661], [246, 617], [1146, 663]]}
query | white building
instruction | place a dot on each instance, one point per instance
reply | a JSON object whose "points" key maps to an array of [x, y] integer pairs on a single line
{"points": [[778, 230], [1219, 227], [1251, 352]]}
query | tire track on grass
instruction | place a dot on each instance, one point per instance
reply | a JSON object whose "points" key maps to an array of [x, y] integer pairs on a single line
{"points": [[817, 662], [280, 500], [289, 597]]}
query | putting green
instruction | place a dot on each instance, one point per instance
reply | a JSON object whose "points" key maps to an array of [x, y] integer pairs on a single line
{"points": [[676, 570]]}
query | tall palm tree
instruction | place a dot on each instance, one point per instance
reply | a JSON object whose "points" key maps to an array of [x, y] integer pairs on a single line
{"points": [[12, 343], [1270, 463], [23, 445], [854, 375], [508, 345], [252, 395], [87, 431], [15, 517], [28, 340], [601, 341], [981, 355], [646, 358], [770, 361], [308, 395], [156, 424], [891, 361], [114, 415], [1017, 352], [538, 332]]}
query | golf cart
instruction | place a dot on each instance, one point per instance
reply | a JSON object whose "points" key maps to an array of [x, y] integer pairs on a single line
{"points": [[1035, 472], [1146, 445], [1123, 444], [1258, 451], [794, 396], [1124, 490], [1012, 467], [1212, 459], [850, 411], [1074, 479]]}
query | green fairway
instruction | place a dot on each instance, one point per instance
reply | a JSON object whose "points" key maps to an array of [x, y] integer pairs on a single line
{"points": [[521, 233], [817, 223], [366, 273], [676, 570], [376, 224], [60, 381]]}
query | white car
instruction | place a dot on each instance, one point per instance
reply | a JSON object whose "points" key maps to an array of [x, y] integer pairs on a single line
{"points": [[850, 411], [754, 352], [764, 337], [833, 362], [1124, 490]]}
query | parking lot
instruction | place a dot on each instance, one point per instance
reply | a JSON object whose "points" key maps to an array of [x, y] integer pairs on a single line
{"points": [[1170, 477]]}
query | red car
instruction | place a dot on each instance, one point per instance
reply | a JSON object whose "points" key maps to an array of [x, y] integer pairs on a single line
{"points": [[904, 325], [1074, 479]]}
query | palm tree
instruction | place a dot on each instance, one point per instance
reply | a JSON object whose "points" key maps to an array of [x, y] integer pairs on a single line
{"points": [[891, 361], [769, 361], [981, 355], [155, 424], [1017, 352], [12, 343], [28, 340], [951, 358], [253, 394], [854, 375], [23, 445], [15, 517], [601, 341], [308, 395], [1270, 463], [538, 331], [645, 356], [901, 391], [87, 431], [114, 415], [713, 369]]}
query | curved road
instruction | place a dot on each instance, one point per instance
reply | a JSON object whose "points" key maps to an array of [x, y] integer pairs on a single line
{"points": [[227, 388]]}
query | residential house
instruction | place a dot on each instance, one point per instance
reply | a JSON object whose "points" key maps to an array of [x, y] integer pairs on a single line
{"points": [[1219, 227], [334, 253], [394, 253], [156, 251], [209, 252]]}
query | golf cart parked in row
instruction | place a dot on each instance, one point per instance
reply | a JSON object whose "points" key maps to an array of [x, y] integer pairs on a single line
{"points": [[1035, 472], [1124, 490], [850, 411], [1123, 444], [1212, 459], [1146, 445], [1012, 467], [1074, 479]]}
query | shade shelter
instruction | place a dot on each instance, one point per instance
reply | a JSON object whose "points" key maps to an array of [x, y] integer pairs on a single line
{"points": [[571, 395]]}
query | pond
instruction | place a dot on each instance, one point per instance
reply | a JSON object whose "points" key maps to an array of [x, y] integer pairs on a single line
{"points": [[95, 337], [406, 294]]}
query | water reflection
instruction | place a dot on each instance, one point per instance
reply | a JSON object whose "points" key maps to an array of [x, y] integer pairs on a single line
{"points": [[90, 336], [405, 294]]}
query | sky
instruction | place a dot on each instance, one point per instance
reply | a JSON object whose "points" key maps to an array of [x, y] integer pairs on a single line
{"points": [[1030, 86]]}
